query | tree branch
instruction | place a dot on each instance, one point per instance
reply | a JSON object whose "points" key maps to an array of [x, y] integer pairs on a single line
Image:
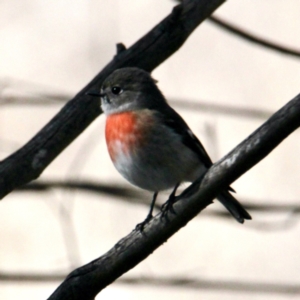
{"points": [[86, 282], [151, 50], [200, 105], [254, 39], [187, 282], [137, 196]]}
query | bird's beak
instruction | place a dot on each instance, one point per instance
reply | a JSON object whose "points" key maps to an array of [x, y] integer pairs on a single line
{"points": [[102, 96], [95, 94]]}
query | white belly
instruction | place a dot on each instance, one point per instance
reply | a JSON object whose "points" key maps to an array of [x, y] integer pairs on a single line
{"points": [[159, 164]]}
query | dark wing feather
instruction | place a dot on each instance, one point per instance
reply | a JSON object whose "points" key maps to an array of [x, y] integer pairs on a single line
{"points": [[173, 120]]}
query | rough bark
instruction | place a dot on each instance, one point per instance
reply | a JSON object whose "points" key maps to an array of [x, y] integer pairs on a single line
{"points": [[147, 53], [87, 281]]}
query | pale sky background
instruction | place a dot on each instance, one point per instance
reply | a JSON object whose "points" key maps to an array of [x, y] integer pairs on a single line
{"points": [[58, 47]]}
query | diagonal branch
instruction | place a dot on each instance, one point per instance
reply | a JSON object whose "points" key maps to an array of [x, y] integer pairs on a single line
{"points": [[151, 50], [86, 282], [254, 39]]}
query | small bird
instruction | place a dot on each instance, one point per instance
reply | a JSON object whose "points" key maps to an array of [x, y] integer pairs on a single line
{"points": [[149, 142]]}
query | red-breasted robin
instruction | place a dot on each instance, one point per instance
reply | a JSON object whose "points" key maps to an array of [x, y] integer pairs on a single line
{"points": [[148, 141]]}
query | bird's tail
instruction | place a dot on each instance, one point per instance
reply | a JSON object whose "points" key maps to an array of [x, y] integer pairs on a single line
{"points": [[234, 207]]}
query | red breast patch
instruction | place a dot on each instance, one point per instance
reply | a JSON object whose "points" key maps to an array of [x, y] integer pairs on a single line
{"points": [[123, 131]]}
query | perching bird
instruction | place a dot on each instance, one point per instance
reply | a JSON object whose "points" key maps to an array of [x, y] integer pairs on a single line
{"points": [[148, 141]]}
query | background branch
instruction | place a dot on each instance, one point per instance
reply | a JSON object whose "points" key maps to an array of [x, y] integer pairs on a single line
{"points": [[48, 100], [86, 282], [253, 38], [178, 282], [162, 41], [72, 216], [136, 196]]}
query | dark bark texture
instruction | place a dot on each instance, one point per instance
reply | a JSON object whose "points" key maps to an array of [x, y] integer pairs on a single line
{"points": [[85, 282], [156, 46], [151, 50]]}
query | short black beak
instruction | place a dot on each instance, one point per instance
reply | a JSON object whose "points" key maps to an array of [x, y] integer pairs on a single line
{"points": [[94, 94]]}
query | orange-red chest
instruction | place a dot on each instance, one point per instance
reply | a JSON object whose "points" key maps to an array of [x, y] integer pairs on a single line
{"points": [[123, 133]]}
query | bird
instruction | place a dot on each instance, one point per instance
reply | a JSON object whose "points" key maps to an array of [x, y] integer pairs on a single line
{"points": [[149, 143]]}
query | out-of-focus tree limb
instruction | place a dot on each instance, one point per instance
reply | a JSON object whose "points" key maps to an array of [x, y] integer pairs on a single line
{"points": [[151, 50], [197, 105], [238, 285], [137, 196], [289, 212], [82, 185], [253, 38], [87, 281]]}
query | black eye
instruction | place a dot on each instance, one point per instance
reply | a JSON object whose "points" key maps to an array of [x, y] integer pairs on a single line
{"points": [[116, 90]]}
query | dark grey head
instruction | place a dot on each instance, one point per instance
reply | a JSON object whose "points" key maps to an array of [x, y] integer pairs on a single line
{"points": [[129, 89]]}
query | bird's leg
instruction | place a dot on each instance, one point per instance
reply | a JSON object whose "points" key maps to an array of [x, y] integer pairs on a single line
{"points": [[141, 226], [150, 216], [168, 205]]}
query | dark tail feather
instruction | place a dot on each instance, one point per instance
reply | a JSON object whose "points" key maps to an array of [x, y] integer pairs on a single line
{"points": [[234, 207]]}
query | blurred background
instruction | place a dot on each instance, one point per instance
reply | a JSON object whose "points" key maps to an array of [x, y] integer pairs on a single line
{"points": [[224, 86]]}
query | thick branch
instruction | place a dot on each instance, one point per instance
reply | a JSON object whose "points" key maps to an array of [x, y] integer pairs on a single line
{"points": [[87, 281], [162, 41]]}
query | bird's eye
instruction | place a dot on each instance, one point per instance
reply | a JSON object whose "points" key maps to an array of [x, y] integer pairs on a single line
{"points": [[116, 90]]}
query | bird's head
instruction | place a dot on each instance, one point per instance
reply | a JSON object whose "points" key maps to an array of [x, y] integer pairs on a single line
{"points": [[129, 89]]}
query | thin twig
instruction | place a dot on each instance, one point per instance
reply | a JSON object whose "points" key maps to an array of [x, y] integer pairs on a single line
{"points": [[253, 38]]}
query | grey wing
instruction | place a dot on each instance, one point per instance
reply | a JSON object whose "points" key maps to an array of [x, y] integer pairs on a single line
{"points": [[173, 120]]}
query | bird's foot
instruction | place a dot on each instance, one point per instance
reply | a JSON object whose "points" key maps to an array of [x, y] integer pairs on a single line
{"points": [[168, 206], [140, 226]]}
